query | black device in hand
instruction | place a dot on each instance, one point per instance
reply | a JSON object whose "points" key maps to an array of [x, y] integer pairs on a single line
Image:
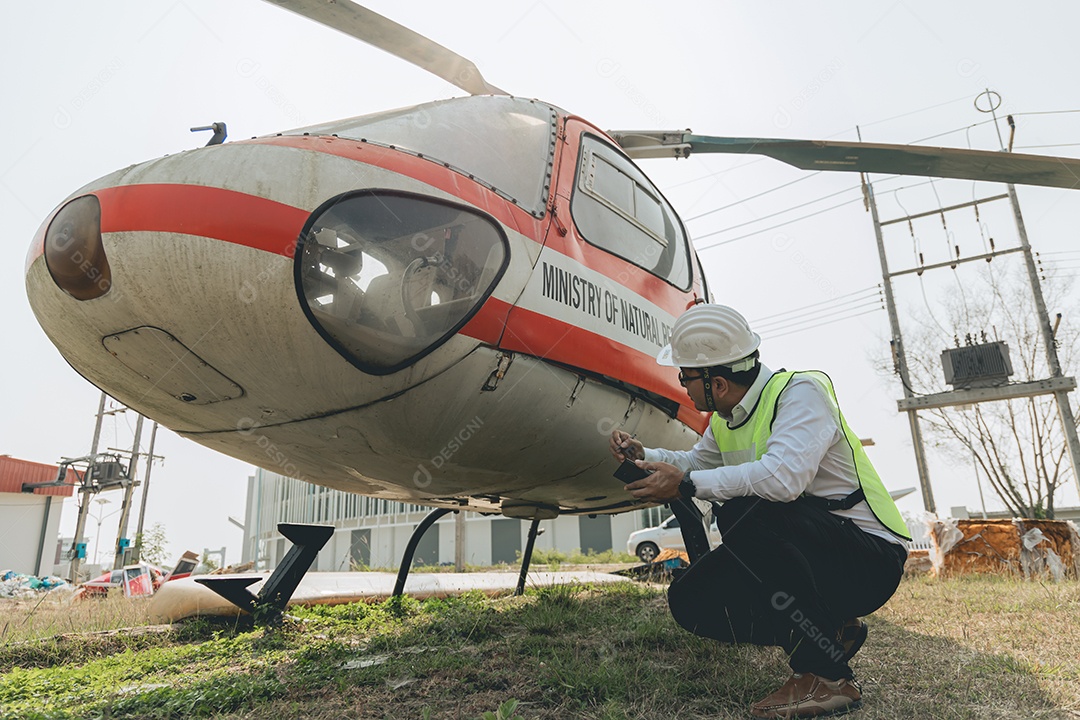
{"points": [[628, 472]]}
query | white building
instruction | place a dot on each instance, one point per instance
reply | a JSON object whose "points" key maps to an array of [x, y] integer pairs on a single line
{"points": [[30, 521], [373, 533]]}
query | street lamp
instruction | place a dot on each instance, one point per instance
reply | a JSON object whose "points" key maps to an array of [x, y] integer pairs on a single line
{"points": [[101, 502]]}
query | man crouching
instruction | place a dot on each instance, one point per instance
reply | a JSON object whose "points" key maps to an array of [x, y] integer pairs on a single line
{"points": [[811, 538]]}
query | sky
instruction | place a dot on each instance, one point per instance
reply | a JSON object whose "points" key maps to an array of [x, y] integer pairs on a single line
{"points": [[89, 88]]}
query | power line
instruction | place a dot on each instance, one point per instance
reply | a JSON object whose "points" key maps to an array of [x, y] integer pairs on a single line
{"points": [[865, 289], [990, 120], [915, 112], [1046, 112], [803, 217], [838, 297], [1034, 147], [752, 197], [782, 212], [950, 132], [873, 302], [718, 172], [773, 227], [827, 322]]}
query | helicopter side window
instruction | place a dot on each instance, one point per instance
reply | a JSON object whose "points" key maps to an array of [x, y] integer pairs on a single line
{"points": [[617, 208], [611, 185], [387, 277], [649, 212]]}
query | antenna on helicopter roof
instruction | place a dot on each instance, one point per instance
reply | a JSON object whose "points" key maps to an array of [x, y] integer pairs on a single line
{"points": [[220, 132]]}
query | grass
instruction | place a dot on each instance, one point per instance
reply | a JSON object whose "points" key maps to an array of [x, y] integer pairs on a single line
{"points": [[970, 647], [54, 614]]}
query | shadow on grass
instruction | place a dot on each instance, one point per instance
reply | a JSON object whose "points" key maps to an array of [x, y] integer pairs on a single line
{"points": [[910, 674], [903, 674]]}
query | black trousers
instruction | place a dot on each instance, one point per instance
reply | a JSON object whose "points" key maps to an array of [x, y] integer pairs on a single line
{"points": [[787, 574]]}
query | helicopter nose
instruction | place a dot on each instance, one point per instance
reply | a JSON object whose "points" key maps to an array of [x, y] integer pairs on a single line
{"points": [[192, 288], [74, 252]]}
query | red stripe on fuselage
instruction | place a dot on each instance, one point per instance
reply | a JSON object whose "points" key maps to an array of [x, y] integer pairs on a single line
{"points": [[210, 212], [237, 218], [488, 322], [550, 339]]}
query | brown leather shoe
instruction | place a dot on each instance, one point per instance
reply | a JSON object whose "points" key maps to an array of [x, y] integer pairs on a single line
{"points": [[807, 695]]}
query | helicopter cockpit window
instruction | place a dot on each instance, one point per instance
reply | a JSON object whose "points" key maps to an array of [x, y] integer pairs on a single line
{"points": [[507, 143], [704, 281], [388, 277], [617, 208]]}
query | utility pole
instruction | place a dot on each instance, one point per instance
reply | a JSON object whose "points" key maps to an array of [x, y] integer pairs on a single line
{"points": [[899, 357], [122, 542], [85, 491], [145, 492], [1068, 422]]}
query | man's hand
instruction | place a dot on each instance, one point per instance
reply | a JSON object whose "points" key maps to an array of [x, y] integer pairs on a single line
{"points": [[661, 486], [625, 447]]}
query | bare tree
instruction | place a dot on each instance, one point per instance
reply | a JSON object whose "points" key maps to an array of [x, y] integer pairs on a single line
{"points": [[1018, 445]]}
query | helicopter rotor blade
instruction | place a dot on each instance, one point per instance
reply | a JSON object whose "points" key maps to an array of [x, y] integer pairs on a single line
{"points": [[363, 24], [1005, 167]]}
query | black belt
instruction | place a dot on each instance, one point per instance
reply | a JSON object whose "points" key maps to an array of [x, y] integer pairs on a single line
{"points": [[844, 503]]}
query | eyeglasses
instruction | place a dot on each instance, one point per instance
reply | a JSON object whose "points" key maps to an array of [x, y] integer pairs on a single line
{"points": [[685, 379]]}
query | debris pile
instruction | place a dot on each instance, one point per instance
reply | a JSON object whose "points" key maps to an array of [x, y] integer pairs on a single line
{"points": [[1022, 546], [17, 585], [663, 568], [233, 569]]}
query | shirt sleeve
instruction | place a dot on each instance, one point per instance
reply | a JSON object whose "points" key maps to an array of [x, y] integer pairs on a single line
{"points": [[805, 427], [705, 454]]}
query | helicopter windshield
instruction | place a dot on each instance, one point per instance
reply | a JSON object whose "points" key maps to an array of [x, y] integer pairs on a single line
{"points": [[387, 277], [507, 143]]}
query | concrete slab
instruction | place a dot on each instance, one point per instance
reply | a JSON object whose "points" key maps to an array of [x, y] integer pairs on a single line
{"points": [[185, 598]]}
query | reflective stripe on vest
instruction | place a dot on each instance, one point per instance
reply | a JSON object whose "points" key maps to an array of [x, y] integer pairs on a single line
{"points": [[747, 441]]}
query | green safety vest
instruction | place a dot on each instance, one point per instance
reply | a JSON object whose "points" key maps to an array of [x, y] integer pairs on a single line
{"points": [[747, 442]]}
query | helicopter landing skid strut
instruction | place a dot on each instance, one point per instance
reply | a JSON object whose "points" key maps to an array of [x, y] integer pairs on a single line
{"points": [[268, 605], [414, 540]]}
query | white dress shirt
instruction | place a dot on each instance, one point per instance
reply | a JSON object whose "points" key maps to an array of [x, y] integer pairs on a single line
{"points": [[806, 452]]}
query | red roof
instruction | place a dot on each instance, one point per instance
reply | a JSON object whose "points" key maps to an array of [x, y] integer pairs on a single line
{"points": [[13, 473]]}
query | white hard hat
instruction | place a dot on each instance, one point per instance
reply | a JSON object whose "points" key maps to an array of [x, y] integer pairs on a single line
{"points": [[710, 335]]}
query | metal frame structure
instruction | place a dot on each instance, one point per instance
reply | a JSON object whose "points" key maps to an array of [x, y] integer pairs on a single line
{"points": [[1057, 384]]}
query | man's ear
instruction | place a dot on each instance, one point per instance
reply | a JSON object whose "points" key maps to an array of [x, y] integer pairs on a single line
{"points": [[720, 387]]}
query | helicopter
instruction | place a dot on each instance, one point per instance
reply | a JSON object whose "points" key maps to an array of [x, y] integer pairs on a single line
{"points": [[452, 320]]}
